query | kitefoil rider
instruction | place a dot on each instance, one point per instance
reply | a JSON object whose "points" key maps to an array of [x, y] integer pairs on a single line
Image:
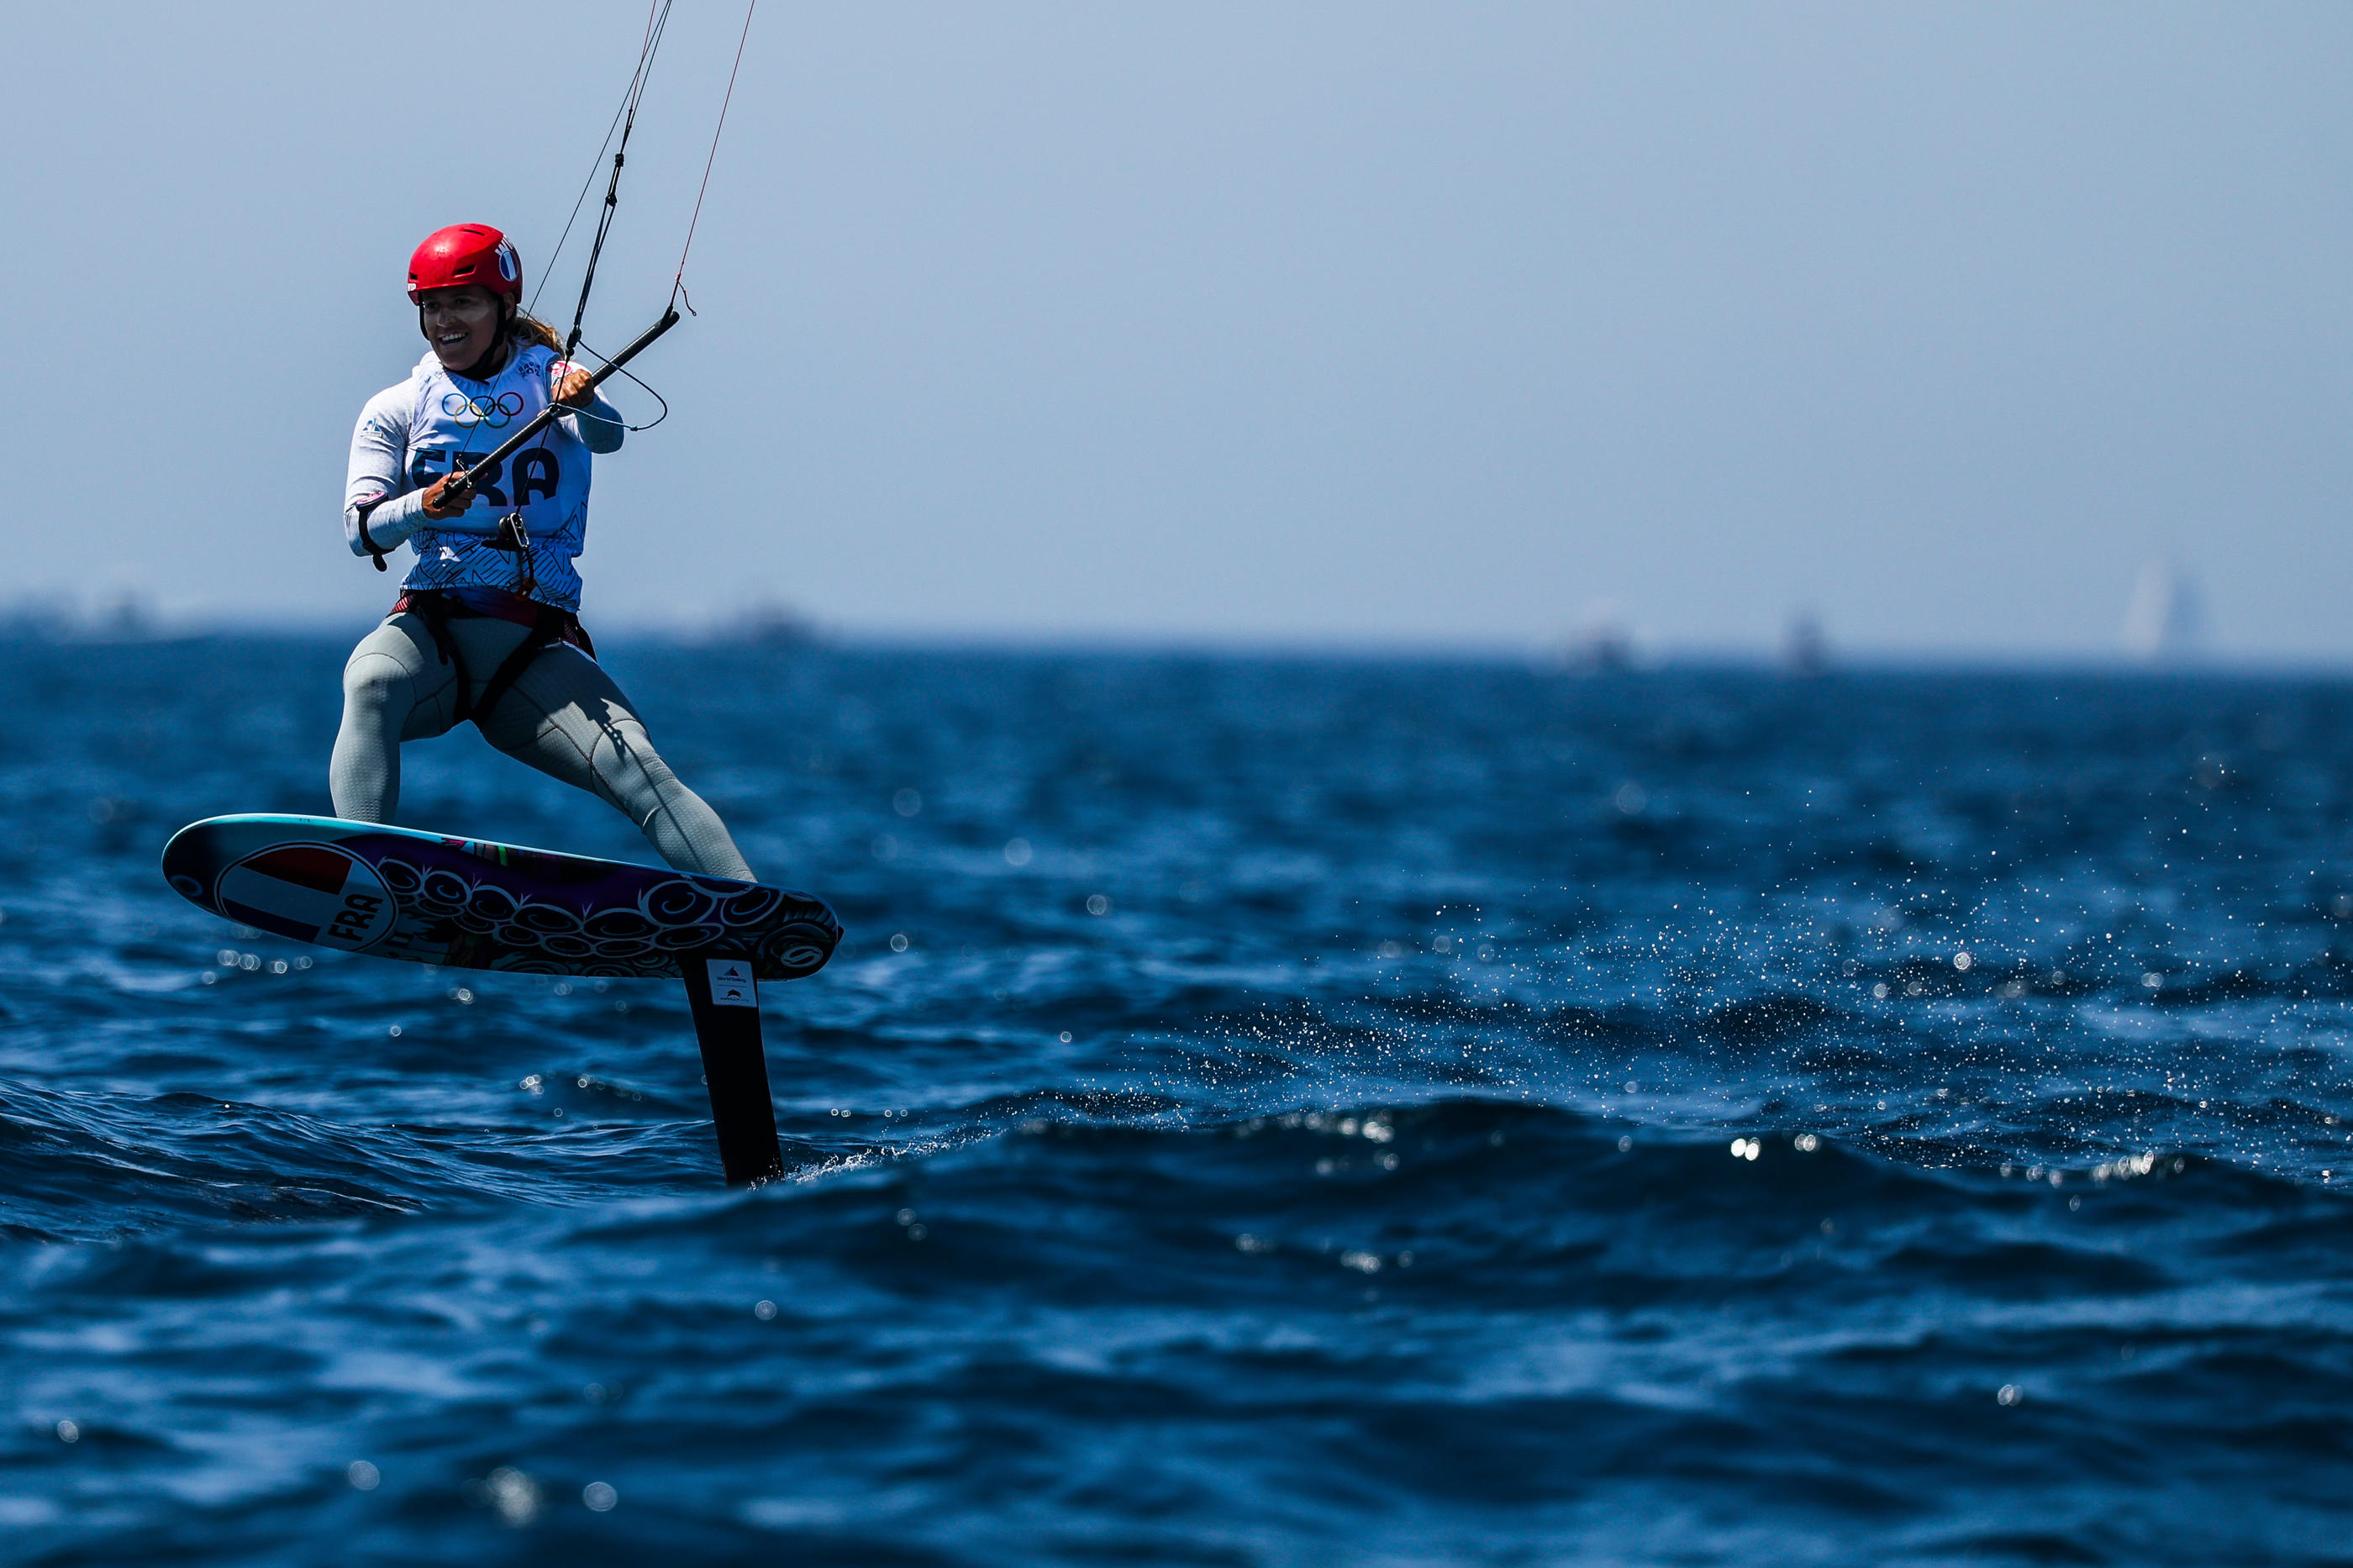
{"points": [[487, 625]]}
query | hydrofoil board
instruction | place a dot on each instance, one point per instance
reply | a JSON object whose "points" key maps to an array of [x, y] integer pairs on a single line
{"points": [[469, 903]]}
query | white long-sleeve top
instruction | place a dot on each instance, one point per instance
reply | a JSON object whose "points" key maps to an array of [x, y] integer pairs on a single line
{"points": [[408, 437]]}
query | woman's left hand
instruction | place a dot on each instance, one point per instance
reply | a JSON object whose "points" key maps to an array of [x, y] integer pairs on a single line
{"points": [[574, 390]]}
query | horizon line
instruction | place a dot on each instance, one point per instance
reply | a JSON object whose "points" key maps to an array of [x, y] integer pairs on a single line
{"points": [[1565, 655]]}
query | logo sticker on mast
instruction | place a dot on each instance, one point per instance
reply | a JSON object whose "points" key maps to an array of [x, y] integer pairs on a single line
{"points": [[732, 985]]}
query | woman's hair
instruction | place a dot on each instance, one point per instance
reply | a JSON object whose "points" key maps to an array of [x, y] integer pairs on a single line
{"points": [[527, 327]]}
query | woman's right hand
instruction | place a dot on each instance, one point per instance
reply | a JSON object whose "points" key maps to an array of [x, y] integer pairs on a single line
{"points": [[440, 506]]}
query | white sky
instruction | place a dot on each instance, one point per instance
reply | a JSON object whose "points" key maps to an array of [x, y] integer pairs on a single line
{"points": [[1258, 322]]}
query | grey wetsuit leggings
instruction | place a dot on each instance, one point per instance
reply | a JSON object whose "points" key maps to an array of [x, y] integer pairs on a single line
{"points": [[564, 716]]}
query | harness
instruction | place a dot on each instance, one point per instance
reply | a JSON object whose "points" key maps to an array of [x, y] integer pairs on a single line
{"points": [[549, 628]]}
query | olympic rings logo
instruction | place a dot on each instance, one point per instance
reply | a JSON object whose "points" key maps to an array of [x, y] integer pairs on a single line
{"points": [[484, 409]]}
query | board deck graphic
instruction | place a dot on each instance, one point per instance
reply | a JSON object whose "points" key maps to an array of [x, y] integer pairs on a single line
{"points": [[467, 903]]}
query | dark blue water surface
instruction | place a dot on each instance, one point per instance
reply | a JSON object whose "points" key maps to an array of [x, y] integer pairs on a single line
{"points": [[1319, 1112]]}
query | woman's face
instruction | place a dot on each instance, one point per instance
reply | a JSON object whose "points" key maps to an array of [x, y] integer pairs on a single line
{"points": [[460, 323]]}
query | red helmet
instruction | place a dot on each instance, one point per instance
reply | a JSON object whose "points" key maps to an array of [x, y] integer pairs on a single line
{"points": [[466, 253]]}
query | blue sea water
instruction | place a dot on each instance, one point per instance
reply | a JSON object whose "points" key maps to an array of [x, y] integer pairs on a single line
{"points": [[1266, 1111]]}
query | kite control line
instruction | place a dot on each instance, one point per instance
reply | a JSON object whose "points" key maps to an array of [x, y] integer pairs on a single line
{"points": [[460, 483], [462, 480]]}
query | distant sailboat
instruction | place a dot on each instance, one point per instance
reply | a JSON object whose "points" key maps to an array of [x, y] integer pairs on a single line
{"points": [[2162, 623], [1805, 648], [1602, 643]]}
